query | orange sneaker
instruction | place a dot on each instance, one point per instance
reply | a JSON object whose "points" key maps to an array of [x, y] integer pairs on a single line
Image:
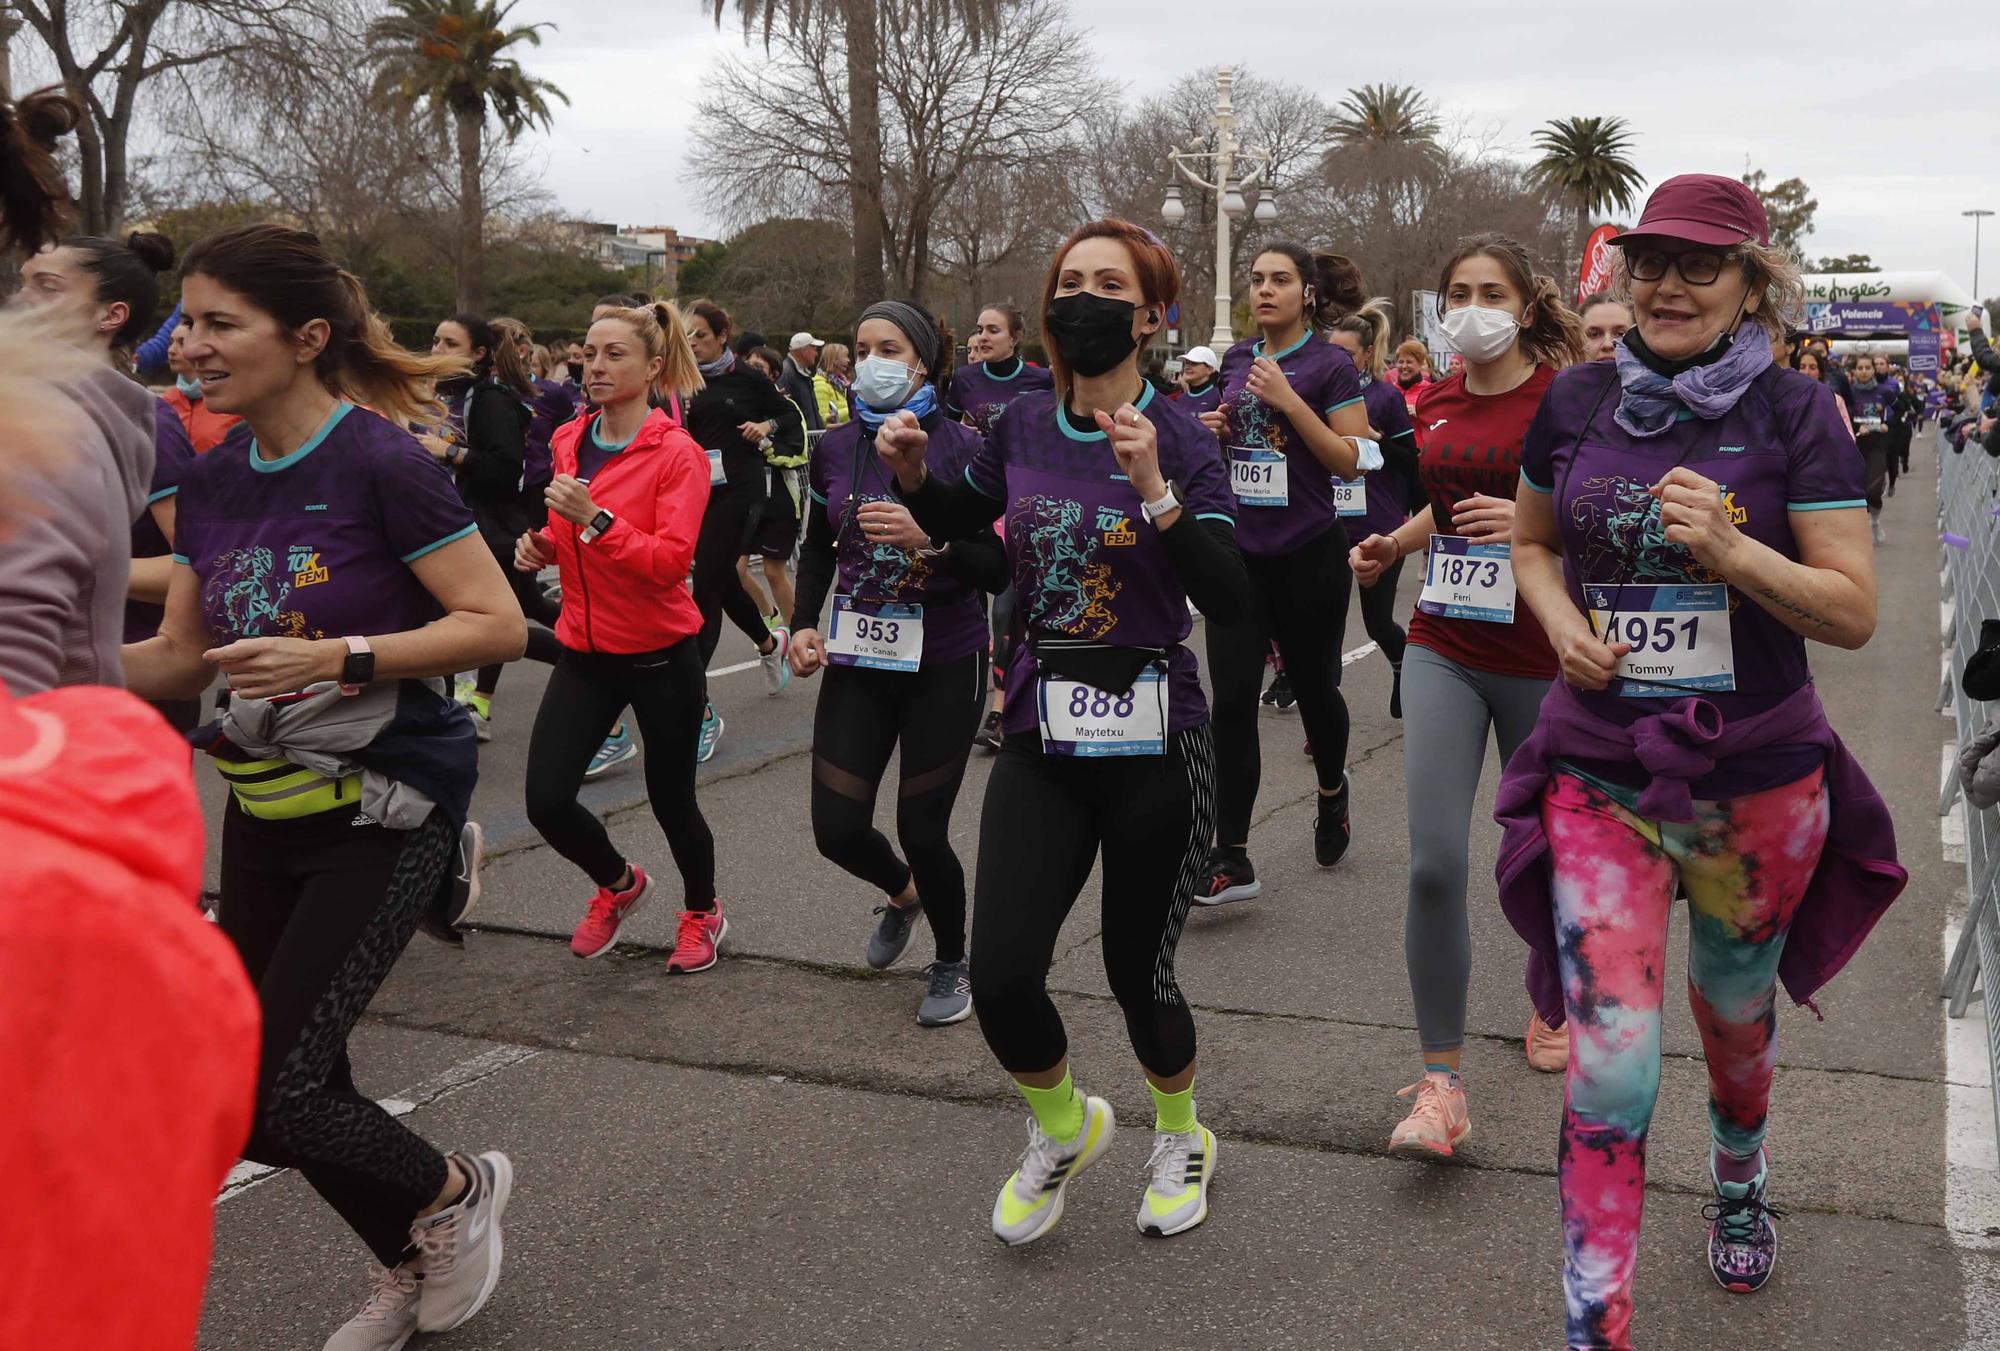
{"points": [[1548, 1047], [1437, 1122], [698, 941]]}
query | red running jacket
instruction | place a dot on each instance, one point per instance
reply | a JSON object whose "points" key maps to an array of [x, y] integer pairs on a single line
{"points": [[128, 1030], [626, 590]]}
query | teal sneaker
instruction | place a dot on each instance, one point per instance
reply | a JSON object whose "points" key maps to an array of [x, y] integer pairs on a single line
{"points": [[711, 735], [616, 750]]}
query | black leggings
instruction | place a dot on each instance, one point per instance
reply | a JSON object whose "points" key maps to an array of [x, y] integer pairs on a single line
{"points": [[1298, 600], [1378, 615], [542, 614], [1047, 819], [319, 909], [862, 715], [585, 696], [726, 528]]}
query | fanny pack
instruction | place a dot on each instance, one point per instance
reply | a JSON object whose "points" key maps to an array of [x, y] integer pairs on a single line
{"points": [[1101, 665], [278, 790]]}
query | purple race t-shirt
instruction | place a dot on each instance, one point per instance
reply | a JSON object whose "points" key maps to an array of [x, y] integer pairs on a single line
{"points": [[317, 544], [1085, 563], [1324, 376], [1389, 415], [844, 474], [1871, 402], [173, 456], [1781, 451], [981, 394], [1205, 400]]}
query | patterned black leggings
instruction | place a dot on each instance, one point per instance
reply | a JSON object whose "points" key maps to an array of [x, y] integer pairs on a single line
{"points": [[320, 908]]}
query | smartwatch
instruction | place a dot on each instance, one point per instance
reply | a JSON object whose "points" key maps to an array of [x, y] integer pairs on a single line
{"points": [[359, 668], [599, 523], [1169, 501]]}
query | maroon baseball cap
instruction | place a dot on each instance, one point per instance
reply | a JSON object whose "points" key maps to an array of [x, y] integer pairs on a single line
{"points": [[1702, 209]]}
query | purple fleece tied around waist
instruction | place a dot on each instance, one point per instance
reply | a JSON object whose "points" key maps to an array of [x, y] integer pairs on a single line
{"points": [[1648, 402]]}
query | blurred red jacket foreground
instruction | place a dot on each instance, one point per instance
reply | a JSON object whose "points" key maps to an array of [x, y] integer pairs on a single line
{"points": [[128, 1030]]}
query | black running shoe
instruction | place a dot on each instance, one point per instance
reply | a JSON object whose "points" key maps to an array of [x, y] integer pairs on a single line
{"points": [[1396, 690], [1230, 878], [1334, 829], [988, 734], [1281, 694]]}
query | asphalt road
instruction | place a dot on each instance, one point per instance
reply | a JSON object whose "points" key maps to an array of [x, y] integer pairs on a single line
{"points": [[772, 1154]]}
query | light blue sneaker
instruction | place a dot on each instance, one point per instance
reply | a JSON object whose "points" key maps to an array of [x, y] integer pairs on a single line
{"points": [[711, 734], [615, 751]]}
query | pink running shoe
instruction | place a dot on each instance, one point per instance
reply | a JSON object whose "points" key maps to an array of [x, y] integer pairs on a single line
{"points": [[698, 941], [608, 909], [1439, 1120], [1548, 1047]]}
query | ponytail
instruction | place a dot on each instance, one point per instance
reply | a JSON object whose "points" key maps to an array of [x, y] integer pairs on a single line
{"points": [[369, 367], [661, 331], [33, 197], [1371, 323], [1555, 337]]}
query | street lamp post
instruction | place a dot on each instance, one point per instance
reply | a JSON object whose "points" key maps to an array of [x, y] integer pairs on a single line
{"points": [[1236, 169], [1978, 214]]}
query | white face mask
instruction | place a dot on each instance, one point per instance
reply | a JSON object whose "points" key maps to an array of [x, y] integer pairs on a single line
{"points": [[1480, 334], [882, 383]]}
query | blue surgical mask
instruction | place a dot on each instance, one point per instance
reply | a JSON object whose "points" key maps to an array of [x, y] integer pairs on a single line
{"points": [[190, 388], [882, 383]]}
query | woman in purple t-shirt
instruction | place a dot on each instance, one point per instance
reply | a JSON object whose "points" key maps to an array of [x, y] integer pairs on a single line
{"points": [[1117, 513], [1291, 423], [325, 546], [1690, 517]]}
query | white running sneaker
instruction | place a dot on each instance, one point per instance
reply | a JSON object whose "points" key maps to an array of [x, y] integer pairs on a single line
{"points": [[1031, 1201], [1177, 1176], [461, 1244], [387, 1320], [777, 670]]}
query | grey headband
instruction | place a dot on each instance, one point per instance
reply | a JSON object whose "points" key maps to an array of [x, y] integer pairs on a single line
{"points": [[917, 326]]}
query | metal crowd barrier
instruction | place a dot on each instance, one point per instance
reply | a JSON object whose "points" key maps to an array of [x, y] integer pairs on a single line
{"points": [[1969, 516]]}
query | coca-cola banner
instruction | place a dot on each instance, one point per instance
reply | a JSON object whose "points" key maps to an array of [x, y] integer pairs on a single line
{"points": [[1596, 274]]}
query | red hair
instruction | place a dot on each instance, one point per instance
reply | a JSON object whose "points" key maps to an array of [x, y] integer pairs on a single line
{"points": [[1152, 267]]}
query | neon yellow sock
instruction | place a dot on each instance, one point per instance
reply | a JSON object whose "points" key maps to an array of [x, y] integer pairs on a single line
{"points": [[1059, 1109], [1172, 1111], [483, 704]]}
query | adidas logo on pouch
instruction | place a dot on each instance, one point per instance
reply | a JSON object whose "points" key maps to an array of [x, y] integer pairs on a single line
{"points": [[363, 819]]}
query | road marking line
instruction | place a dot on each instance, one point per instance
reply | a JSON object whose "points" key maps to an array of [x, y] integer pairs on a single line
{"points": [[465, 1073], [1951, 826], [732, 670], [1349, 658]]}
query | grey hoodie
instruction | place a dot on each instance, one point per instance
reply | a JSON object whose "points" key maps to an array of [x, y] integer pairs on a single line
{"points": [[64, 566]]}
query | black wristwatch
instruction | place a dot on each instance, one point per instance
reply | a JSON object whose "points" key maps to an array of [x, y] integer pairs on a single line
{"points": [[599, 523]]}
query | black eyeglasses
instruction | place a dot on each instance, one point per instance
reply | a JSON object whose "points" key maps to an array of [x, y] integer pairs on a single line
{"points": [[1698, 267]]}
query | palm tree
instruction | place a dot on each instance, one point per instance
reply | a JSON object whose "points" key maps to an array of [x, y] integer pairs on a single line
{"points": [[450, 56], [861, 24], [1583, 161], [1386, 116]]}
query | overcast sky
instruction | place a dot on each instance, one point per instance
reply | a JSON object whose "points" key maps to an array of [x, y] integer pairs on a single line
{"points": [[1858, 97]]}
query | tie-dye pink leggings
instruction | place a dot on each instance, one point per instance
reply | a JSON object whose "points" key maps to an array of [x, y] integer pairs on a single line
{"points": [[1745, 864]]}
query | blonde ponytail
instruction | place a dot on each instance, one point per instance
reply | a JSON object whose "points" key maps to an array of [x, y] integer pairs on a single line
{"points": [[1371, 323], [1556, 336]]}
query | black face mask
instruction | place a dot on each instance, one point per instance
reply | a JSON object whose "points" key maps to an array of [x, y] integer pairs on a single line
{"points": [[576, 371], [1093, 332]]}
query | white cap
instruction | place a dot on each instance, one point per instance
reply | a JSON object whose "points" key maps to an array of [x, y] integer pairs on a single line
{"points": [[804, 340], [1204, 356]]}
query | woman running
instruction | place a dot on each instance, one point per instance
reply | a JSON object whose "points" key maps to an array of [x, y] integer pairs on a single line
{"points": [[1413, 372], [1475, 663], [625, 509], [776, 536], [205, 427], [737, 410], [905, 655], [1199, 370], [1385, 493], [552, 404], [486, 452], [980, 393], [1813, 367], [350, 766], [1605, 319], [1679, 576], [1872, 401], [1291, 422], [65, 571], [1118, 513]]}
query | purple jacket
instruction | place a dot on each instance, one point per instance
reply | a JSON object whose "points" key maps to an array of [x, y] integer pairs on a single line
{"points": [[1857, 880]]}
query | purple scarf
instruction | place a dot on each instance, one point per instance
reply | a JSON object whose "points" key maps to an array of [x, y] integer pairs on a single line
{"points": [[1649, 401]]}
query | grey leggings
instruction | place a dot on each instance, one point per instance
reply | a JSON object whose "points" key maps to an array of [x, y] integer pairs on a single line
{"points": [[1447, 709]]}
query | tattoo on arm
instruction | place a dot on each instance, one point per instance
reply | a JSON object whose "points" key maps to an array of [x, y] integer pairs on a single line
{"points": [[1792, 607]]}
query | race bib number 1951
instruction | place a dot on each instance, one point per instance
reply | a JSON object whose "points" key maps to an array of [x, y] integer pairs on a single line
{"points": [[1080, 719], [1463, 580], [1679, 635]]}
